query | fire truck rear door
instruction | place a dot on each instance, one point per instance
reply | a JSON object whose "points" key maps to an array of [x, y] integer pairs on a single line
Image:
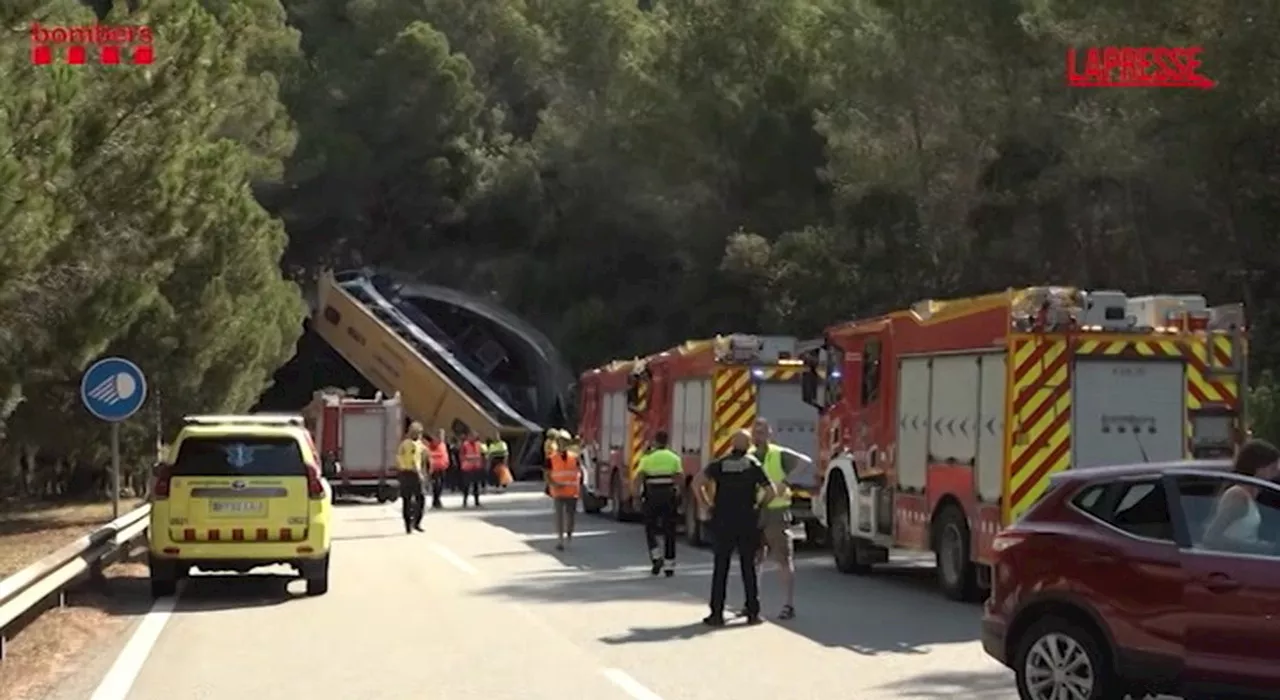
{"points": [[1127, 411], [364, 440]]}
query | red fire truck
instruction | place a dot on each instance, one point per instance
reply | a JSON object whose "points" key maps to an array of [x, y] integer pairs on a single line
{"points": [[942, 423], [357, 439], [700, 393]]}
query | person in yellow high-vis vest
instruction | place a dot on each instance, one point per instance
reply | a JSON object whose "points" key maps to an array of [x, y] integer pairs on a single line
{"points": [[661, 474], [775, 517], [410, 460]]}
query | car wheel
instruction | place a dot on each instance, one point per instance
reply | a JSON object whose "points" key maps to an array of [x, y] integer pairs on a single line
{"points": [[318, 584], [1057, 658]]}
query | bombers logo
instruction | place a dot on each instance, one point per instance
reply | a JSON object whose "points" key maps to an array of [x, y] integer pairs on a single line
{"points": [[97, 43]]}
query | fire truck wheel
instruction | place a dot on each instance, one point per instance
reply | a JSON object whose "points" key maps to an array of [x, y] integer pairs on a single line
{"points": [[814, 534], [957, 575], [388, 493], [693, 531], [845, 548], [615, 496]]}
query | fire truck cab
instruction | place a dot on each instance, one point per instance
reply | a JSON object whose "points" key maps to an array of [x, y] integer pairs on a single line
{"points": [[700, 393], [942, 423]]}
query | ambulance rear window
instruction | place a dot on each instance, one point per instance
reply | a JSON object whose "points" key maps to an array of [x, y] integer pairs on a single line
{"points": [[240, 456]]}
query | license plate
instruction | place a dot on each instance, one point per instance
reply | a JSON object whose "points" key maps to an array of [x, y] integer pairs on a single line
{"points": [[238, 508]]}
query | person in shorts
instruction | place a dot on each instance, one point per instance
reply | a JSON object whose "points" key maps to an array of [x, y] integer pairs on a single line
{"points": [[775, 516], [564, 483]]}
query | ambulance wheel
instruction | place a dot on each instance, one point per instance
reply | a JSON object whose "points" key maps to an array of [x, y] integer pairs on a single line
{"points": [[592, 503], [957, 574], [164, 577], [318, 578]]}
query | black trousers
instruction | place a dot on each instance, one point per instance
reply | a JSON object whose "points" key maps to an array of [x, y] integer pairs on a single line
{"points": [[472, 480], [744, 539], [493, 469], [437, 488], [413, 500], [660, 517]]}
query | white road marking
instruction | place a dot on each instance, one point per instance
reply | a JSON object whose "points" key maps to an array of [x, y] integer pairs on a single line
{"points": [[629, 685], [120, 678], [458, 562]]}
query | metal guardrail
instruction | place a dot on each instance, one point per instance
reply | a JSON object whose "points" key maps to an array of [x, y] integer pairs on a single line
{"points": [[25, 590]]}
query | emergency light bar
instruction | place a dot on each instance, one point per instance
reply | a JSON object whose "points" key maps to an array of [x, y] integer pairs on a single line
{"points": [[263, 419]]}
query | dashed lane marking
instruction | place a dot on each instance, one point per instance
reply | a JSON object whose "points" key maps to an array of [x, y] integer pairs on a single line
{"points": [[629, 685], [458, 562]]}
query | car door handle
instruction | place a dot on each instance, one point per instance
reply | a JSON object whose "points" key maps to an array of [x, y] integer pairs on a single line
{"points": [[1102, 558], [1220, 583]]}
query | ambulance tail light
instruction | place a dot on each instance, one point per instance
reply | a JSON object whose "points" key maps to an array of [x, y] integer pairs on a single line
{"points": [[164, 478], [315, 486]]}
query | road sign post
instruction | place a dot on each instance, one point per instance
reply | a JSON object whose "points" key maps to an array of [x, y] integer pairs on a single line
{"points": [[113, 389]]}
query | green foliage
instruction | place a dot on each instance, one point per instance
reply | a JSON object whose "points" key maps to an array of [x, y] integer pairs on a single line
{"points": [[624, 174], [1264, 408], [129, 227]]}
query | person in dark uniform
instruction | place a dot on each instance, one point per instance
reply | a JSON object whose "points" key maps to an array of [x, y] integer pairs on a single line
{"points": [[453, 477], [741, 488], [660, 471]]}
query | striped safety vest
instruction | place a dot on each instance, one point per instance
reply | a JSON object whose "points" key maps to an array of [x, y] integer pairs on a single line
{"points": [[470, 456], [564, 476], [660, 469], [438, 456], [777, 473]]}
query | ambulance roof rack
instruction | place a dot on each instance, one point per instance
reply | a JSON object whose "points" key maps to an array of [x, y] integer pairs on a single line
{"points": [[245, 419]]}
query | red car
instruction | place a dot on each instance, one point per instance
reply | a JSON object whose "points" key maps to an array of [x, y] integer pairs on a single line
{"points": [[1105, 588]]}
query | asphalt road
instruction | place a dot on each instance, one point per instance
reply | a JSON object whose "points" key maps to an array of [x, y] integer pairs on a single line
{"points": [[482, 606]]}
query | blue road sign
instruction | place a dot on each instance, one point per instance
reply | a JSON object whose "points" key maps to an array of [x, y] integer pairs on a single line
{"points": [[113, 389]]}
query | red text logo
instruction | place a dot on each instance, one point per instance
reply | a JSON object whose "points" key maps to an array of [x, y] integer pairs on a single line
{"points": [[98, 43], [1136, 67]]}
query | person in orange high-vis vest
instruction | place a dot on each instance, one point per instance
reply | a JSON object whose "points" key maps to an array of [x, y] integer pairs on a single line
{"points": [[471, 455], [563, 484], [437, 466]]}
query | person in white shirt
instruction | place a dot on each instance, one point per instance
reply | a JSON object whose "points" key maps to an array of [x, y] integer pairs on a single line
{"points": [[1235, 521]]}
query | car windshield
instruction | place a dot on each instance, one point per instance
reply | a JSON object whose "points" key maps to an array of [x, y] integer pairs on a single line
{"points": [[239, 455]]}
